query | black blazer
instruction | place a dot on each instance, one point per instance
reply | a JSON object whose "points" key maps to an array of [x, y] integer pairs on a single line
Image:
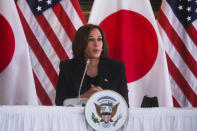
{"points": [[111, 75]]}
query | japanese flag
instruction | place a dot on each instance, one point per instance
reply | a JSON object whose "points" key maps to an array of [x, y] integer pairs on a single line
{"points": [[16, 78], [133, 37]]}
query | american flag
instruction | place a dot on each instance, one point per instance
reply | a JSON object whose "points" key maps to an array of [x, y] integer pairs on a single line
{"points": [[178, 24], [49, 26]]}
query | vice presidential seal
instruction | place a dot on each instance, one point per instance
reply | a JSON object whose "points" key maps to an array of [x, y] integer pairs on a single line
{"points": [[106, 110]]}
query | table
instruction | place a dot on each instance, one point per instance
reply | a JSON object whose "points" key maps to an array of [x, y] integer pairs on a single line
{"points": [[57, 118]]}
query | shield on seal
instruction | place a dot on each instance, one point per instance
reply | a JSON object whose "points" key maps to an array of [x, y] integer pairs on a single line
{"points": [[106, 117]]}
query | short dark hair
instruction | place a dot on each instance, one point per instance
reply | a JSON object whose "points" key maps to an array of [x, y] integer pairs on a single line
{"points": [[81, 40]]}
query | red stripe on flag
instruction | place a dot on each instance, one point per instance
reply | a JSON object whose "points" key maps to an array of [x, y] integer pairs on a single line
{"points": [[77, 7], [64, 20], [176, 104], [52, 37], [42, 95], [181, 82], [38, 51], [192, 33], [177, 42]]}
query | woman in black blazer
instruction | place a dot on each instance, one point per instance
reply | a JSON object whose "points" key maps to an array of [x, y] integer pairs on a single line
{"points": [[89, 45]]}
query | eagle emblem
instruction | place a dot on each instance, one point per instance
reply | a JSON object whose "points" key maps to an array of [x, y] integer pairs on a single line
{"points": [[106, 111]]}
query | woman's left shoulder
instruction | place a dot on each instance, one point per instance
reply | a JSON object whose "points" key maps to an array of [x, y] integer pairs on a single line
{"points": [[114, 61]]}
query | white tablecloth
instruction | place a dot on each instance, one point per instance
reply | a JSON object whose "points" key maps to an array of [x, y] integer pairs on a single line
{"points": [[52, 118]]}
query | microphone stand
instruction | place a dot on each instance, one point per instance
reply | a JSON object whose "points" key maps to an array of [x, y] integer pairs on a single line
{"points": [[73, 102], [88, 61]]}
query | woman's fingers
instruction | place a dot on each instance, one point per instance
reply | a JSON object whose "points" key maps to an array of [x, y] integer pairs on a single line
{"points": [[91, 91], [97, 88]]}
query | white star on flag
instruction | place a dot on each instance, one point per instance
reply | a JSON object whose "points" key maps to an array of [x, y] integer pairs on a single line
{"points": [[188, 9], [49, 2], [38, 8], [188, 18], [180, 7]]}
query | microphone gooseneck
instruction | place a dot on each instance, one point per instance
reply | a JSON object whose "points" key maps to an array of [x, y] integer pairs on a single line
{"points": [[87, 62]]}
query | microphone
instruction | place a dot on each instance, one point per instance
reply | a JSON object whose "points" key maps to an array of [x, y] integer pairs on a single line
{"points": [[87, 62], [77, 102]]}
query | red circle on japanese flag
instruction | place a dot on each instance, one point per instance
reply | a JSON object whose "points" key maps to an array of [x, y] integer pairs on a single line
{"points": [[7, 45], [132, 39]]}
